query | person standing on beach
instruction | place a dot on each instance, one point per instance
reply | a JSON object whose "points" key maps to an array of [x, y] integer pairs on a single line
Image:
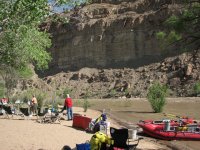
{"points": [[34, 105], [68, 104]]}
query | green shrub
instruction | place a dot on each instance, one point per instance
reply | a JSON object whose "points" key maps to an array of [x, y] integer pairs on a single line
{"points": [[27, 96], [13, 99], [25, 72], [77, 103], [86, 105], [197, 88], [46, 104], [24, 96], [2, 89], [113, 93], [40, 98], [156, 96], [60, 101], [66, 91]]}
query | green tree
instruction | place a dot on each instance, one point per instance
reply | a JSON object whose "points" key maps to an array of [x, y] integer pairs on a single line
{"points": [[10, 80], [183, 28], [156, 96], [21, 40]]}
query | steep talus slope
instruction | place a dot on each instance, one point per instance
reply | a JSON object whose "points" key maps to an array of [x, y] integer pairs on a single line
{"points": [[180, 73]]}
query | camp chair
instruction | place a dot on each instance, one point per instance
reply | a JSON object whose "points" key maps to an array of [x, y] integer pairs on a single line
{"points": [[2, 111], [120, 137], [25, 111], [8, 111], [12, 111], [51, 117]]}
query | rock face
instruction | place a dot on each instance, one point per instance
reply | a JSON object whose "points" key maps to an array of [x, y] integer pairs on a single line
{"points": [[110, 34], [180, 73], [109, 50]]}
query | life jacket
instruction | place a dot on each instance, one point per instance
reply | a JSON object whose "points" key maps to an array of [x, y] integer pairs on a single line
{"points": [[100, 118], [98, 140], [184, 128]]}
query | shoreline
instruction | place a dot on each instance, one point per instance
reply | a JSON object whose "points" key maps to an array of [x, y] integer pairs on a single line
{"points": [[93, 113], [172, 145], [31, 135]]}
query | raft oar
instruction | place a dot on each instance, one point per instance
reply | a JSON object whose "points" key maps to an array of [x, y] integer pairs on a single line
{"points": [[172, 115]]}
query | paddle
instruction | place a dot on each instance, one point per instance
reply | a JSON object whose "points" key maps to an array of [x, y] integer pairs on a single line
{"points": [[173, 116]]}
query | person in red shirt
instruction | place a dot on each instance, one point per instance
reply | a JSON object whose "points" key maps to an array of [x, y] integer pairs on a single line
{"points": [[4, 100], [68, 104]]}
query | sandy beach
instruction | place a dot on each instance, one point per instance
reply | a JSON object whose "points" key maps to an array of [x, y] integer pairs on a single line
{"points": [[17, 134]]}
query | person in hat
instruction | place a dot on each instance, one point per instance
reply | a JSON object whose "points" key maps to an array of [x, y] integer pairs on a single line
{"points": [[68, 105]]}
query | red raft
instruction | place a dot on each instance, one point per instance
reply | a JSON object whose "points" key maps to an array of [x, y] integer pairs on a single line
{"points": [[160, 123], [170, 130]]}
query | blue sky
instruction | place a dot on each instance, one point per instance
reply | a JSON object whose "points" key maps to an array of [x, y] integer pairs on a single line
{"points": [[64, 7], [61, 8]]}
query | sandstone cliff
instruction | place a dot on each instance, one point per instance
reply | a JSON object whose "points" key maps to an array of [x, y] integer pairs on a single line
{"points": [[110, 34]]}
